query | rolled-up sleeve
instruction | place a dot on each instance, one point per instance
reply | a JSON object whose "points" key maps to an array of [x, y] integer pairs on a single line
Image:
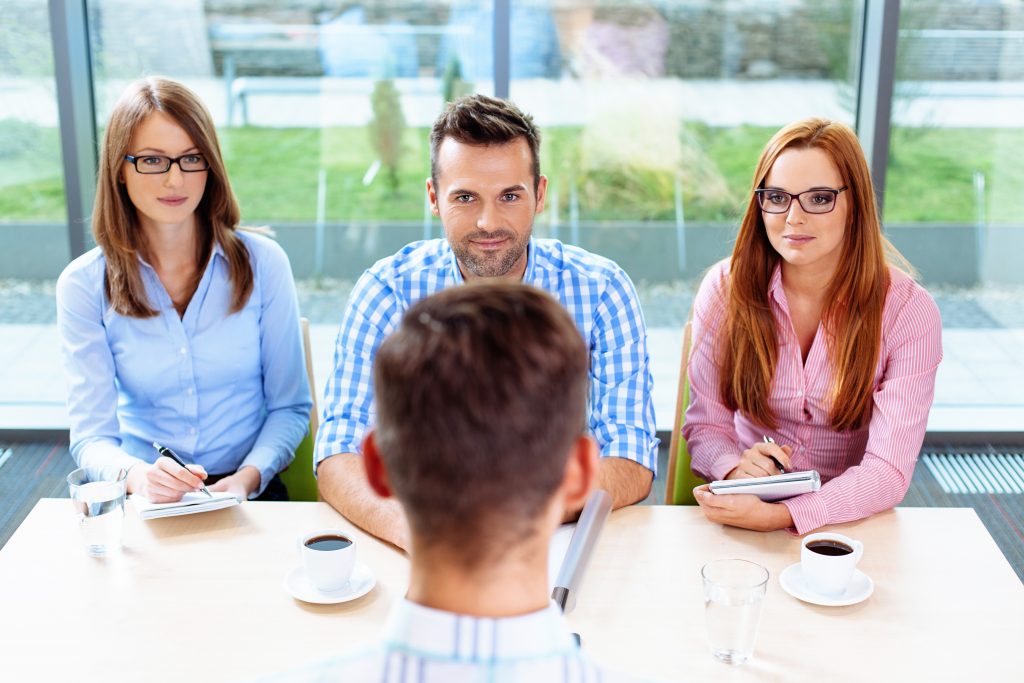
{"points": [[372, 313], [621, 409], [896, 430]]}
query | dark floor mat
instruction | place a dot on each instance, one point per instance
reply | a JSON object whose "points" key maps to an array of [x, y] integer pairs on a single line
{"points": [[1002, 513], [32, 471]]}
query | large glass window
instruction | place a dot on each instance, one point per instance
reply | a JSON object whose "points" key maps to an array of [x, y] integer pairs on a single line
{"points": [[323, 108], [31, 185], [33, 222], [655, 113], [954, 200]]}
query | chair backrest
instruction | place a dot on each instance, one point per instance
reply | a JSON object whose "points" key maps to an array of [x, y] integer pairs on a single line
{"points": [[681, 479], [298, 476]]}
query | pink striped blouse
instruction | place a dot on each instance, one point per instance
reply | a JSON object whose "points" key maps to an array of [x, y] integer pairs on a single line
{"points": [[863, 471]]}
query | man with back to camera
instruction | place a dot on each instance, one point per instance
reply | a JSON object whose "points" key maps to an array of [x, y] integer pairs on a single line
{"points": [[477, 607], [486, 187]]}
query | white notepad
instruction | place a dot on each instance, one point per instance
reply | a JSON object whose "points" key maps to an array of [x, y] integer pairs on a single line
{"points": [[777, 487], [189, 504]]}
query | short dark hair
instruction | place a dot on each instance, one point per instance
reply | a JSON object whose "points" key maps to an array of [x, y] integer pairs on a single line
{"points": [[483, 120], [480, 394]]}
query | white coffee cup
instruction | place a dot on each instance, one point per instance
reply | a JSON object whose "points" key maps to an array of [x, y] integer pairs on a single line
{"points": [[828, 564], [328, 556]]}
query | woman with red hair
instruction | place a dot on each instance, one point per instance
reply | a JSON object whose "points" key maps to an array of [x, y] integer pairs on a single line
{"points": [[814, 335]]}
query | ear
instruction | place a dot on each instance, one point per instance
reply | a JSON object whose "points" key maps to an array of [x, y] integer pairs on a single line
{"points": [[580, 475], [432, 196], [376, 472], [542, 193]]}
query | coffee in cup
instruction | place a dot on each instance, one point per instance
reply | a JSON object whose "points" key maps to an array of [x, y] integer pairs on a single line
{"points": [[328, 556], [827, 561]]}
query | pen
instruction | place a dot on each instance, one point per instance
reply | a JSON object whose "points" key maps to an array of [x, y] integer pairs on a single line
{"points": [[163, 450], [768, 439]]}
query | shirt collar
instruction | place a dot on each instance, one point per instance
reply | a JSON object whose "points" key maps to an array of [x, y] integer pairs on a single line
{"points": [[461, 637], [527, 274], [218, 250]]}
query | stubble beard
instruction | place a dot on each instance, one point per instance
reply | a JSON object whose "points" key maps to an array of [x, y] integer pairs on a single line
{"points": [[490, 264]]}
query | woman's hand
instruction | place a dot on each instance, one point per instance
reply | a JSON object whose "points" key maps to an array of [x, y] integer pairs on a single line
{"points": [[742, 510], [165, 481], [754, 462], [241, 483]]}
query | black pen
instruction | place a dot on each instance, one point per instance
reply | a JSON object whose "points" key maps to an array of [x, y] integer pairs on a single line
{"points": [[768, 439], [167, 452]]}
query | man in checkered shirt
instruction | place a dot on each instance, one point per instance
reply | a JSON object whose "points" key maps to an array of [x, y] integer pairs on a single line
{"points": [[486, 187]]}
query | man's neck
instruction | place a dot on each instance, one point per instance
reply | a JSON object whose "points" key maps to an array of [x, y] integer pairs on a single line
{"points": [[514, 584]]}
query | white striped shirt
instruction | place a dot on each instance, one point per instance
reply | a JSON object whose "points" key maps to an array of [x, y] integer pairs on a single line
{"points": [[424, 645], [863, 471]]}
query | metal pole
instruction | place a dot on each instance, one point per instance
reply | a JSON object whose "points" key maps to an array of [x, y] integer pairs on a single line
{"points": [[77, 114], [875, 86], [502, 47]]}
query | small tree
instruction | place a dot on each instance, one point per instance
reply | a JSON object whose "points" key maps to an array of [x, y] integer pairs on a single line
{"points": [[452, 85], [386, 129]]}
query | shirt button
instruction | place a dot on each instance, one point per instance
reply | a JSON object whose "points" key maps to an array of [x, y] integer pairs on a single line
{"points": [[192, 430], [191, 391], [183, 350]]}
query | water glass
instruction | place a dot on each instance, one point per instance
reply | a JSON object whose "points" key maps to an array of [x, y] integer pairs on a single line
{"points": [[99, 507], [733, 593]]}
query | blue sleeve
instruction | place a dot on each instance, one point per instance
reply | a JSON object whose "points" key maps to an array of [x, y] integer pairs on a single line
{"points": [[621, 408], [373, 312], [285, 384], [90, 372]]}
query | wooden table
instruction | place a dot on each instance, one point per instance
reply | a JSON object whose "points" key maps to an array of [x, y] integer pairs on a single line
{"points": [[202, 598]]}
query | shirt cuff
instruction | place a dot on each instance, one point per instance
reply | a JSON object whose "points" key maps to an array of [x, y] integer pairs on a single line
{"points": [[723, 465], [104, 460], [265, 460], [808, 512], [336, 450]]}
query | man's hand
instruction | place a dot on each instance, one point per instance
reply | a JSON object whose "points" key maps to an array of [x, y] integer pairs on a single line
{"points": [[742, 510], [241, 483]]}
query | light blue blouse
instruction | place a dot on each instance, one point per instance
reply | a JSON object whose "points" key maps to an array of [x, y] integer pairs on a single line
{"points": [[220, 389]]}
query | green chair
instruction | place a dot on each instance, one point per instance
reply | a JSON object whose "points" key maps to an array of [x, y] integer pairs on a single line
{"points": [[681, 479], [298, 476]]}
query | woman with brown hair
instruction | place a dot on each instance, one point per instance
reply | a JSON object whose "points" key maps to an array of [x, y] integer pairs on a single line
{"points": [[179, 328], [812, 337]]}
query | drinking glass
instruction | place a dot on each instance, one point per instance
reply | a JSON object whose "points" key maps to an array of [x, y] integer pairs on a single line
{"points": [[99, 507], [733, 593]]}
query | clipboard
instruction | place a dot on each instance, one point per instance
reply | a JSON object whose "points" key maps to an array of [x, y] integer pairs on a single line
{"points": [[777, 487]]}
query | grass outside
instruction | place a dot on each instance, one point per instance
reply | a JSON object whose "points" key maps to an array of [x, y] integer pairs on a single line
{"points": [[275, 173]]}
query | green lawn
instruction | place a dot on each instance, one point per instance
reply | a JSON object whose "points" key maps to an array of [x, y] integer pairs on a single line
{"points": [[275, 173]]}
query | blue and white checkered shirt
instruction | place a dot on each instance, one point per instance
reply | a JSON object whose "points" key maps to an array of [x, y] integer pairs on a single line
{"points": [[596, 292], [424, 645]]}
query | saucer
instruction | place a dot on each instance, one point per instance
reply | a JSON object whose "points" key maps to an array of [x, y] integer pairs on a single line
{"points": [[301, 588], [792, 580]]}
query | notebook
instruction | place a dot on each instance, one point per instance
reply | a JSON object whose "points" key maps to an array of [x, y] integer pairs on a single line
{"points": [[778, 487], [189, 504]]}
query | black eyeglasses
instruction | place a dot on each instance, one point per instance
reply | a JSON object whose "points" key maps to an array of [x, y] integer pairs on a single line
{"points": [[188, 163], [820, 200]]}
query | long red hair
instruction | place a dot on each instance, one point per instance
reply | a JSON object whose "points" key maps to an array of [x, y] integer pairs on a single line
{"points": [[852, 317]]}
